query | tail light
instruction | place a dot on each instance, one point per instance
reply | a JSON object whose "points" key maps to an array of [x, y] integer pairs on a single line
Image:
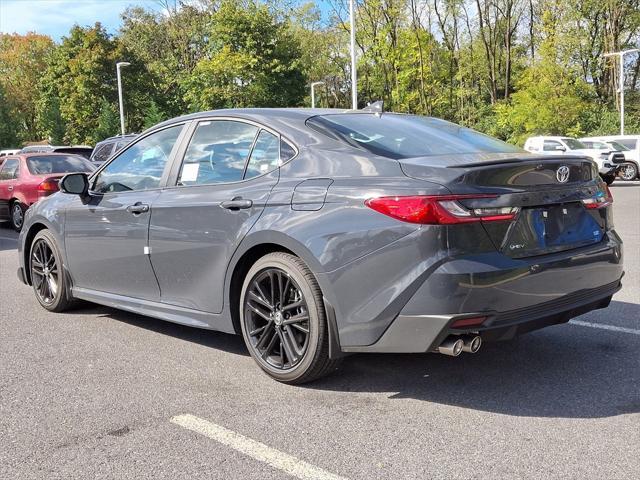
{"points": [[439, 209], [601, 200], [48, 187]]}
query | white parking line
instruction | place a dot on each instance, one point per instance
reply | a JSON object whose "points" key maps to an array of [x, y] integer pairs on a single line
{"points": [[259, 451], [603, 326]]}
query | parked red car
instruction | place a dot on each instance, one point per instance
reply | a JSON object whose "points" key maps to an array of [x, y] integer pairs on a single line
{"points": [[26, 178]]}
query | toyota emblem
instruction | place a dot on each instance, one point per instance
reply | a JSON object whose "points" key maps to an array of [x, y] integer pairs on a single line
{"points": [[562, 174]]}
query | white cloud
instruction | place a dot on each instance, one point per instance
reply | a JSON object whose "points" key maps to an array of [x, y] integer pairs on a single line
{"points": [[56, 17]]}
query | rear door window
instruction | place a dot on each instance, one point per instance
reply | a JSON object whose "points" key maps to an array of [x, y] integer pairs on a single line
{"points": [[265, 156], [217, 152], [551, 145], [9, 169]]}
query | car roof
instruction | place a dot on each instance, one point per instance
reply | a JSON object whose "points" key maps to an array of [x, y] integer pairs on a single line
{"points": [[290, 122]]}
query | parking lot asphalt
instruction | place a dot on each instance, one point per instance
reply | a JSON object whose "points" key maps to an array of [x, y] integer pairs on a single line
{"points": [[99, 393]]}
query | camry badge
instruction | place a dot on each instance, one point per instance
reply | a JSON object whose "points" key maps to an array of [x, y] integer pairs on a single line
{"points": [[562, 174]]}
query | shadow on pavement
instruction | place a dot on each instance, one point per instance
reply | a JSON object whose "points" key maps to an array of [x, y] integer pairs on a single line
{"points": [[8, 237], [209, 338], [563, 371]]}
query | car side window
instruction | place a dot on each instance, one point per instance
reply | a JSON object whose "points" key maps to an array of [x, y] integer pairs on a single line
{"points": [[265, 156], [217, 152], [550, 145], [103, 152], [141, 166], [9, 169], [287, 152], [629, 143]]}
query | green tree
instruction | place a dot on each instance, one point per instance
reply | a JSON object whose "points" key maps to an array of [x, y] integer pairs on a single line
{"points": [[551, 99], [8, 135], [23, 58], [81, 75], [252, 61]]}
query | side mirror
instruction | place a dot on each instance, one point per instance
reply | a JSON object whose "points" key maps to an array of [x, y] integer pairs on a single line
{"points": [[560, 148], [74, 183]]}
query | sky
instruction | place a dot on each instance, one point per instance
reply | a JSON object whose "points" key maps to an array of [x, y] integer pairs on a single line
{"points": [[56, 17]]}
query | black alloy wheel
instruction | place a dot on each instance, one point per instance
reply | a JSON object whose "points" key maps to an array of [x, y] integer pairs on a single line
{"points": [[283, 320], [47, 273], [277, 318]]}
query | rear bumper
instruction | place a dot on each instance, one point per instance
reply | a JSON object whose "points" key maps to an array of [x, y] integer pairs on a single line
{"points": [[515, 295], [423, 333]]}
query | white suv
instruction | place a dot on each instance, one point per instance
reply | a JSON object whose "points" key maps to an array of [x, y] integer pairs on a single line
{"points": [[629, 145], [607, 161]]}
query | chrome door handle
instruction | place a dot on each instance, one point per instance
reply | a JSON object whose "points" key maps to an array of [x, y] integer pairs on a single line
{"points": [[10, 188], [237, 204], [138, 208]]}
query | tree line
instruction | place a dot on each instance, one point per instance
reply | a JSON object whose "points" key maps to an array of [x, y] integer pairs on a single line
{"points": [[510, 68]]}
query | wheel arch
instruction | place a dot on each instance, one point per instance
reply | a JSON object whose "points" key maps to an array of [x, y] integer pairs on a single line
{"points": [[256, 246], [34, 229]]}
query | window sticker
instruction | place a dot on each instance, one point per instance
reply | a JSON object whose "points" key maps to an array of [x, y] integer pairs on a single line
{"points": [[190, 172]]}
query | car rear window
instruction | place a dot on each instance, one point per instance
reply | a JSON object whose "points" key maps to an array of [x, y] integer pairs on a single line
{"points": [[48, 164], [405, 136]]}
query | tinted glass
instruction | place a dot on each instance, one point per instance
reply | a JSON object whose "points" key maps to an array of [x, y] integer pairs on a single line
{"points": [[48, 164], [629, 143], [573, 144], [217, 152], [103, 152], [287, 152], [550, 145], [404, 136], [141, 166], [265, 155], [9, 169], [618, 146]]}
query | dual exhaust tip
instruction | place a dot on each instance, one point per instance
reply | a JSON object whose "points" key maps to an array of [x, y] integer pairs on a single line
{"points": [[454, 345]]}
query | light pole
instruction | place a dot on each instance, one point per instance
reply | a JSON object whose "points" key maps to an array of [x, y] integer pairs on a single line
{"points": [[354, 79], [621, 55], [118, 66], [313, 93]]}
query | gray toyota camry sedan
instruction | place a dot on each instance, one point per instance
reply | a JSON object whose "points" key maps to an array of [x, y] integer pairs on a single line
{"points": [[316, 233]]}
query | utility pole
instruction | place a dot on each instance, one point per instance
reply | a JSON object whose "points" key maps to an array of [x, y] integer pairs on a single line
{"points": [[354, 78], [313, 93], [118, 66], [621, 55]]}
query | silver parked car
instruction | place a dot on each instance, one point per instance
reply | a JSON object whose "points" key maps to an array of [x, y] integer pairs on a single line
{"points": [[316, 233]]}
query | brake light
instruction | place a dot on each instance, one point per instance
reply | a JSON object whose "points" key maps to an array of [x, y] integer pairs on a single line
{"points": [[439, 209], [48, 187], [601, 200]]}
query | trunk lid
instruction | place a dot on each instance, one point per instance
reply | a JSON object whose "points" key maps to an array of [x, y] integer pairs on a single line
{"points": [[548, 190]]}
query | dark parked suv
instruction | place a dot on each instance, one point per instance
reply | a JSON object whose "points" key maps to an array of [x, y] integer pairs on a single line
{"points": [[106, 148], [314, 233]]}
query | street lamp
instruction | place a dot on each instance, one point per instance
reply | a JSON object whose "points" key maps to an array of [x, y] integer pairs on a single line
{"points": [[119, 65], [621, 55], [354, 80], [313, 93]]}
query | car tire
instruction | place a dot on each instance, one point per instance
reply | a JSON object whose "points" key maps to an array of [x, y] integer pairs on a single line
{"points": [[16, 215], [628, 171], [283, 320], [609, 178], [47, 273]]}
